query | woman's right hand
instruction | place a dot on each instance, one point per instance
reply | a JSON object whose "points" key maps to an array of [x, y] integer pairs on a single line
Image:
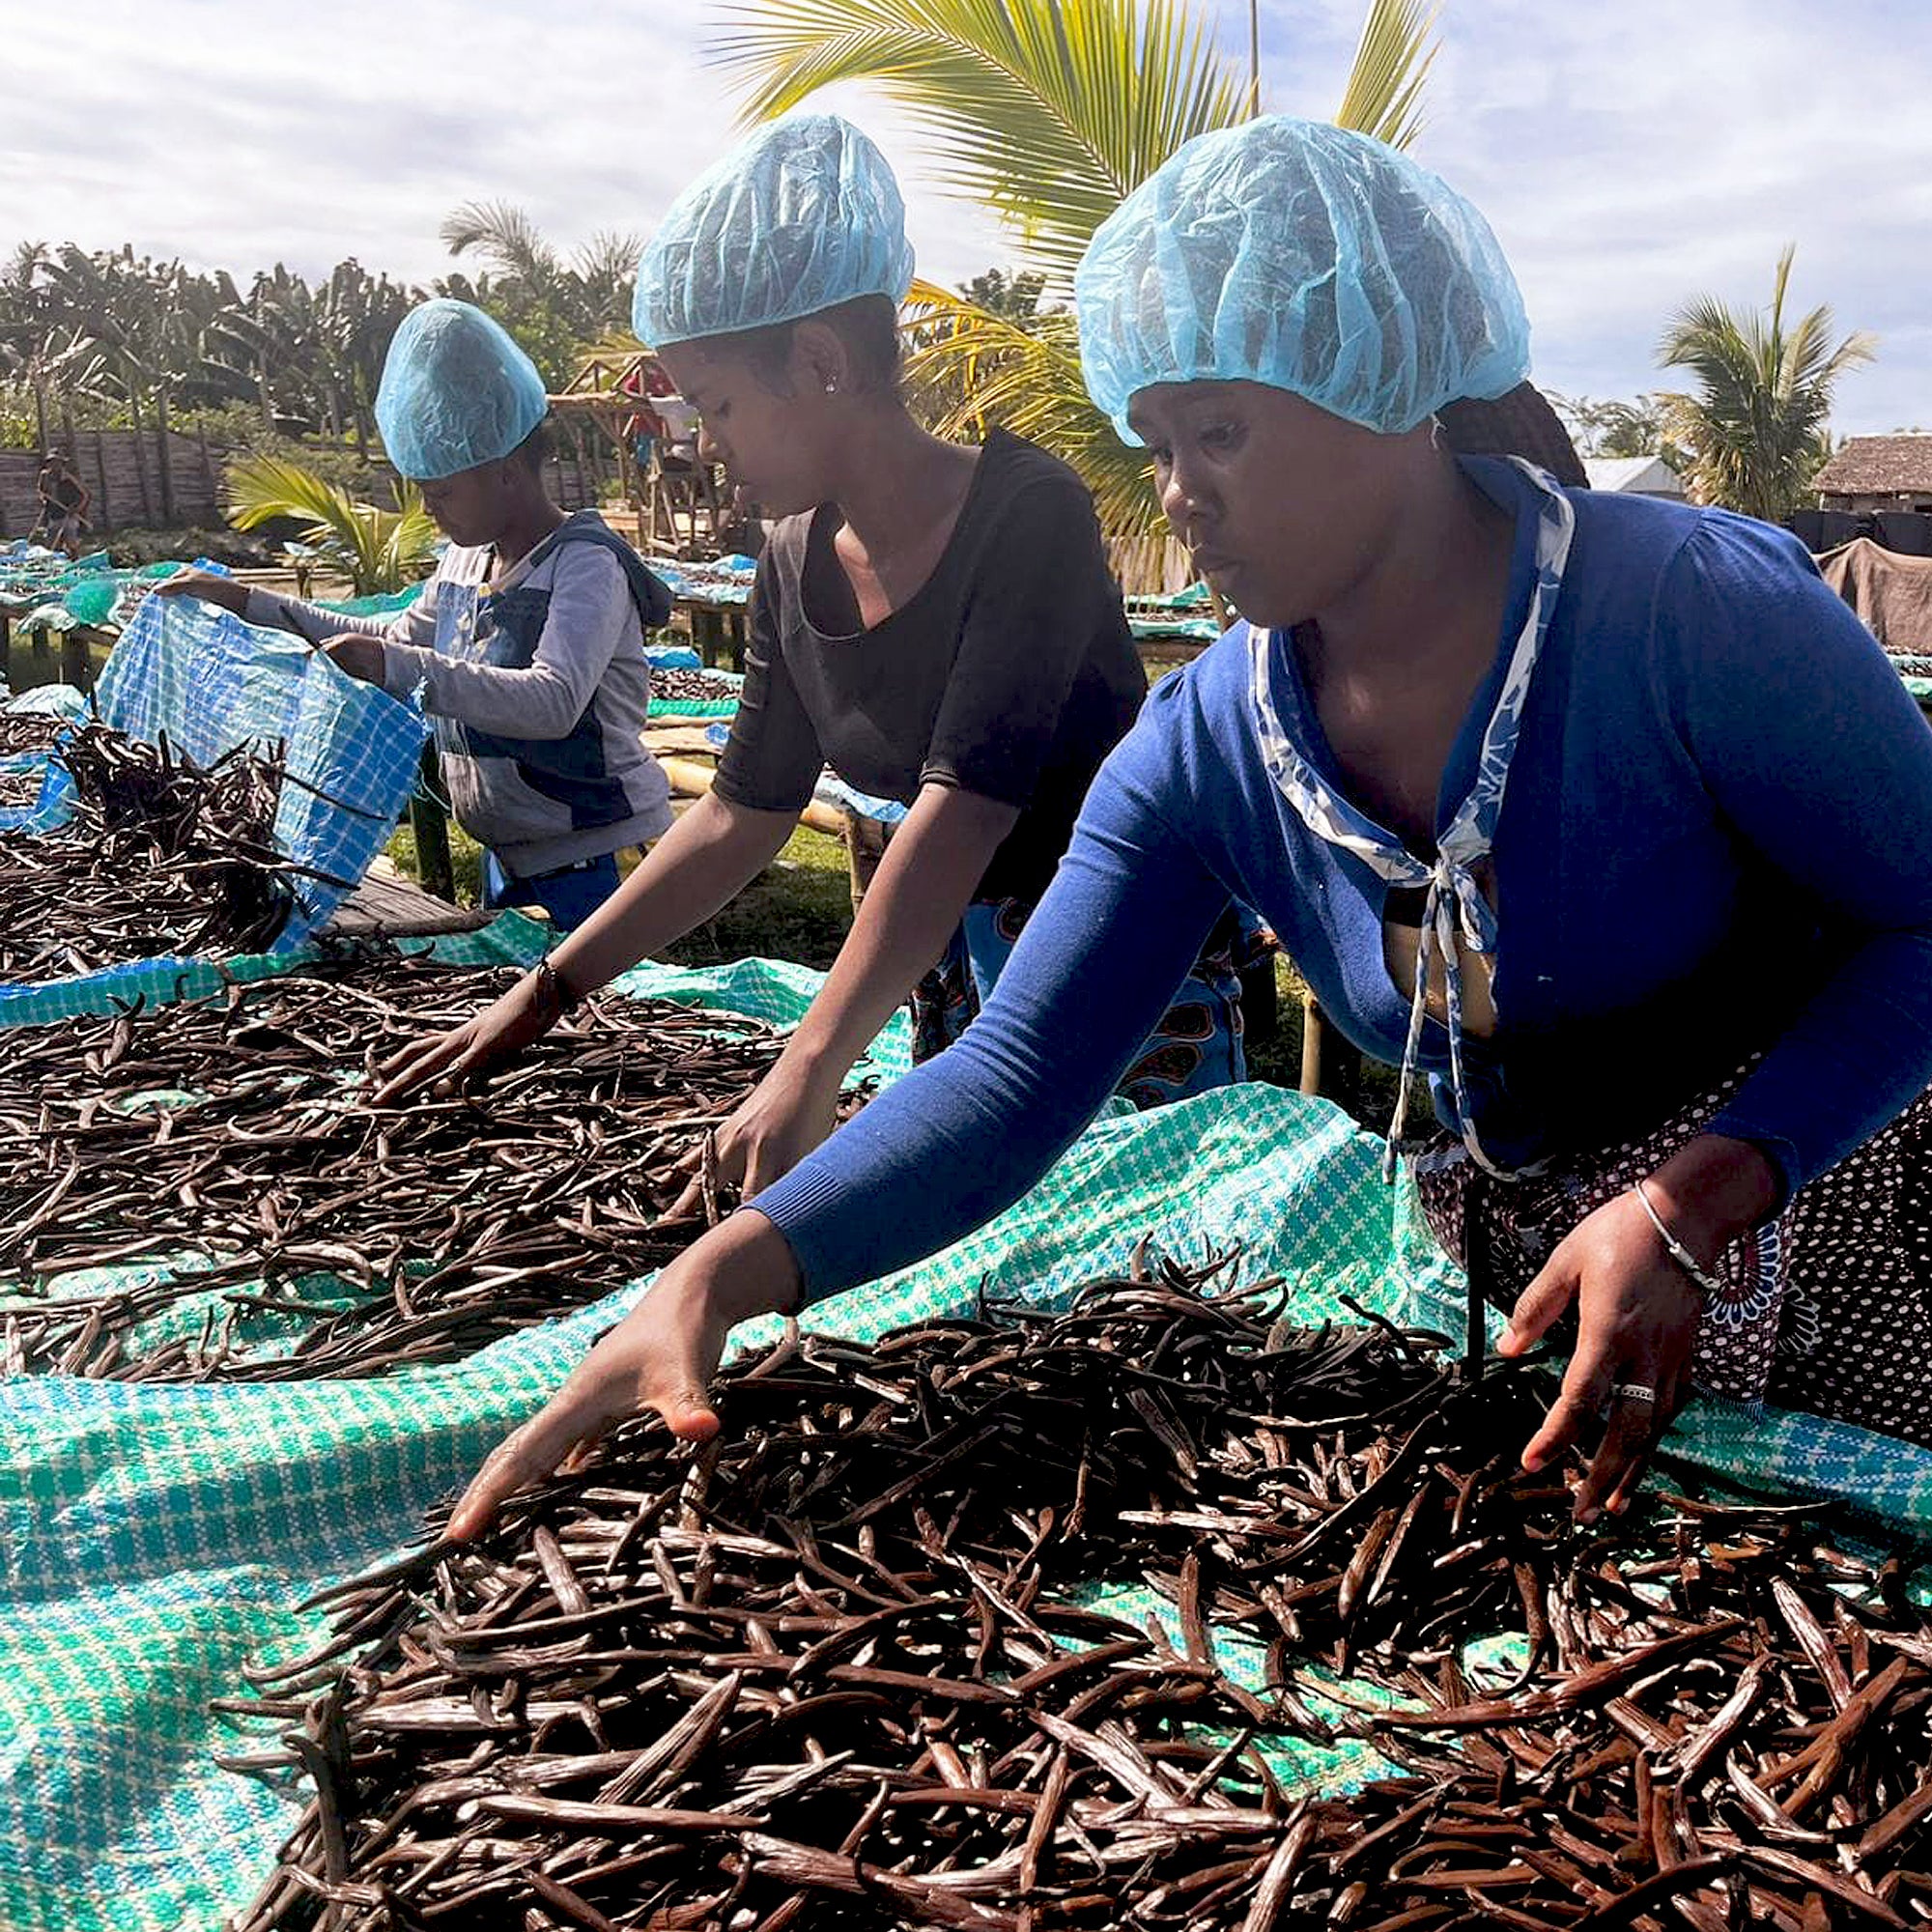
{"points": [[209, 587], [495, 1037], [660, 1356]]}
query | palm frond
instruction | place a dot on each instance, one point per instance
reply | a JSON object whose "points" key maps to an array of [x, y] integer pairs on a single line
{"points": [[504, 234], [1384, 95], [379, 549], [1048, 113], [1756, 427]]}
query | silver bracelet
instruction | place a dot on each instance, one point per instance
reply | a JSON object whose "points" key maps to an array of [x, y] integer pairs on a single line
{"points": [[1676, 1249]]}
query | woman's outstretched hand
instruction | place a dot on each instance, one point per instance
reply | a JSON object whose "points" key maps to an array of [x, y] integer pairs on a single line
{"points": [[498, 1037], [660, 1356], [1636, 1312], [776, 1126], [208, 585]]}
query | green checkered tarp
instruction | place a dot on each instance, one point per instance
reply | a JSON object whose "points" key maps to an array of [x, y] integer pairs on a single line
{"points": [[153, 1538]]}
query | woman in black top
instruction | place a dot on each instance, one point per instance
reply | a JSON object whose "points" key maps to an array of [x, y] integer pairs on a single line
{"points": [[939, 624]]}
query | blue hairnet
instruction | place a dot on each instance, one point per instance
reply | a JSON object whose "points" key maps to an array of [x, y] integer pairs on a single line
{"points": [[456, 391], [804, 216], [1296, 254]]}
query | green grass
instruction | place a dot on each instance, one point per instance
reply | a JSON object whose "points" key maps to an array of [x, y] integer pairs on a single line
{"points": [[801, 909]]}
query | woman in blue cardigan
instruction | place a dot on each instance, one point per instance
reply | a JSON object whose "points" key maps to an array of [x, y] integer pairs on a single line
{"points": [[1603, 818]]}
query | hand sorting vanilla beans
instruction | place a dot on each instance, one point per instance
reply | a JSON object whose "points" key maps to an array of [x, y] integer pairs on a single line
{"points": [[237, 1130], [160, 857], [844, 1665]]}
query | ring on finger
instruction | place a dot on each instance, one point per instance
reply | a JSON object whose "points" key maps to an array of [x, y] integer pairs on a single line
{"points": [[1632, 1392]]}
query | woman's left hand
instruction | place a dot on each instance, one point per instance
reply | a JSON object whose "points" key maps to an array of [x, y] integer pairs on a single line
{"points": [[1637, 1322], [786, 1115]]}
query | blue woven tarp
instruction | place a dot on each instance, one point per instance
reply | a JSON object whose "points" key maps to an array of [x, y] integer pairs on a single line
{"points": [[209, 682]]}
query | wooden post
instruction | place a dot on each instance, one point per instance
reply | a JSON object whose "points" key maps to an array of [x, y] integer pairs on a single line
{"points": [[208, 472], [105, 519], [1330, 1065], [164, 458], [430, 822], [76, 661]]}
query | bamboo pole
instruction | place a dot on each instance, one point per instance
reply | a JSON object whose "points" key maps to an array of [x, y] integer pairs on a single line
{"points": [[691, 779]]}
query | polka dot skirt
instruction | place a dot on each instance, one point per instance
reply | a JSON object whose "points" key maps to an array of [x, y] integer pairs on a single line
{"points": [[1828, 1309]]}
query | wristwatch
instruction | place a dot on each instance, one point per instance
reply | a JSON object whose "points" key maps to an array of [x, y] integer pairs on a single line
{"points": [[554, 997]]}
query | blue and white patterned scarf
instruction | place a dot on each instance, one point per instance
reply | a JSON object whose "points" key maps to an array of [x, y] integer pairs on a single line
{"points": [[1452, 896]]}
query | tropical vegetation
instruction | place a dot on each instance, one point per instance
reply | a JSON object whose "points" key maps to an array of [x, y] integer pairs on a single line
{"points": [[1755, 430], [1048, 114], [377, 549]]}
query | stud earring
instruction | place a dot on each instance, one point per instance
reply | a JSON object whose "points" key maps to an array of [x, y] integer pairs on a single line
{"points": [[832, 388]]}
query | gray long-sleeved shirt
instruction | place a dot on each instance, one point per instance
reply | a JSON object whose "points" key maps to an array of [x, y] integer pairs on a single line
{"points": [[586, 682]]}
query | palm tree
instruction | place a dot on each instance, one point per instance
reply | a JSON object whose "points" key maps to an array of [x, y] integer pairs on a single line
{"points": [[551, 305], [379, 551], [1050, 113], [1756, 431]]}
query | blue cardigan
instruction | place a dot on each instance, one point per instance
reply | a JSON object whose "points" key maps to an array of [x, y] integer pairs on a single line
{"points": [[1716, 840]]}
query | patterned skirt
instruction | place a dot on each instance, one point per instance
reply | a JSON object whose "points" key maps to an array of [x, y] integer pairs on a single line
{"points": [[1825, 1309], [1196, 1046]]}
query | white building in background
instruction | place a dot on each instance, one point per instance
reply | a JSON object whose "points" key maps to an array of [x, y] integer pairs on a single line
{"points": [[1634, 476]]}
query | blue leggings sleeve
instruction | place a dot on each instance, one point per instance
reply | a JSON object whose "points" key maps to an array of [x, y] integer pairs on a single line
{"points": [[958, 1140]]}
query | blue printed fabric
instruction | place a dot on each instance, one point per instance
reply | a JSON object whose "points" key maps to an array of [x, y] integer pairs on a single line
{"points": [[1453, 901], [209, 682]]}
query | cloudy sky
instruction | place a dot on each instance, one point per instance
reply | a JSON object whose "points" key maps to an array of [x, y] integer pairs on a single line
{"points": [[1630, 153]]}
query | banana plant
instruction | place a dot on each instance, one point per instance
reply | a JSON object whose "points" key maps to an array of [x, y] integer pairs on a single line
{"points": [[379, 551]]}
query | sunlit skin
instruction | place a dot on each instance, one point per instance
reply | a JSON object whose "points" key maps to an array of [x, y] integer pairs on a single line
{"points": [[1396, 569]]}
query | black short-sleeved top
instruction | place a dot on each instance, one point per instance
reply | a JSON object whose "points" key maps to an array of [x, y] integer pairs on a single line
{"points": [[1011, 672]]}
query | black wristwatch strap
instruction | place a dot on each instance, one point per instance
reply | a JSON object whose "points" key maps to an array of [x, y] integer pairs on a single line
{"points": [[557, 997]]}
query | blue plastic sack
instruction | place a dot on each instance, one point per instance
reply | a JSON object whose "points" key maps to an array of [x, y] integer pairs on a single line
{"points": [[209, 682]]}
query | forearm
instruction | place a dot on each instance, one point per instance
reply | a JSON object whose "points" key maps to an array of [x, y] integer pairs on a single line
{"points": [[1711, 1191], [538, 701], [1853, 1059], [699, 866], [964, 1136], [274, 612], [913, 906]]}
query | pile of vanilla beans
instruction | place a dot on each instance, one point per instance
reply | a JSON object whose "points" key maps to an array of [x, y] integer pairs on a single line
{"points": [[232, 1141], [162, 856], [849, 1666], [678, 683], [30, 737]]}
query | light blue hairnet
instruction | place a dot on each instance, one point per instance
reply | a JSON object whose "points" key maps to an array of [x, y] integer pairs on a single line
{"points": [[456, 391], [804, 216], [1296, 254]]}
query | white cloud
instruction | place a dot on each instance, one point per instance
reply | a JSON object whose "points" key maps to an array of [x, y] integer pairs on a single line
{"points": [[1630, 153]]}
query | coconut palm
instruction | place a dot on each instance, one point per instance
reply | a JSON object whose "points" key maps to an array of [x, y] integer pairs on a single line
{"points": [[379, 551], [1756, 431], [1049, 113], [551, 304]]}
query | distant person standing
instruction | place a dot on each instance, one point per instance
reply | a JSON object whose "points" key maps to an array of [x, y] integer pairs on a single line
{"points": [[65, 502]]}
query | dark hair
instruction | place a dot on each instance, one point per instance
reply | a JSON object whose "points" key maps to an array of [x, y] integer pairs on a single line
{"points": [[536, 450], [1521, 423], [868, 325]]}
